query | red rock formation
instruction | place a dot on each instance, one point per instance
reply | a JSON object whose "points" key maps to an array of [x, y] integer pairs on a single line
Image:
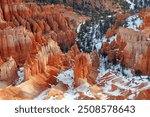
{"points": [[48, 55], [110, 32], [131, 48], [93, 73], [32, 35], [42, 21], [81, 69], [35, 36], [57, 92], [15, 42], [120, 20], [145, 16], [144, 95], [8, 73], [40, 71], [86, 69]]}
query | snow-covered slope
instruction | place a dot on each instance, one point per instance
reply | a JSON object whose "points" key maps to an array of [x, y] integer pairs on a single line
{"points": [[133, 22]]}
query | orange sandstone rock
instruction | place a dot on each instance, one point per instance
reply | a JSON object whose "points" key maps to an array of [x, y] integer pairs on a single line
{"points": [[8, 73]]}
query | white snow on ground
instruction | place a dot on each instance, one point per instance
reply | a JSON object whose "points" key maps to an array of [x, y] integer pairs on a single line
{"points": [[78, 28], [70, 95], [104, 39], [132, 96], [67, 77], [20, 76], [98, 46], [132, 5], [122, 78], [94, 28], [115, 93], [102, 70], [112, 38], [98, 43], [85, 89], [134, 22], [123, 82], [116, 71]]}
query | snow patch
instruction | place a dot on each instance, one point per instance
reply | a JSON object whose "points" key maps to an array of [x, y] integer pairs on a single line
{"points": [[132, 5], [78, 28], [112, 38], [70, 96], [85, 89], [20, 76], [148, 39], [98, 46], [66, 77], [134, 22]]}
